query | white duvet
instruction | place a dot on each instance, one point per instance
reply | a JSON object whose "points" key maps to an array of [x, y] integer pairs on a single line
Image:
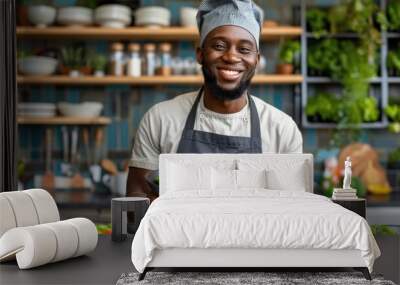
{"points": [[251, 218]]}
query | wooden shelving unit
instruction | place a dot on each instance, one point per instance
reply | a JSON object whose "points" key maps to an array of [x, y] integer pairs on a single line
{"points": [[147, 80], [140, 33], [24, 120]]}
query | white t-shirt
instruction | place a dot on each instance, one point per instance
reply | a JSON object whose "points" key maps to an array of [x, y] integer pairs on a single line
{"points": [[160, 129]]}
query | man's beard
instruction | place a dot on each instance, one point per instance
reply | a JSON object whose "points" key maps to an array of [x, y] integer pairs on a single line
{"points": [[223, 94]]}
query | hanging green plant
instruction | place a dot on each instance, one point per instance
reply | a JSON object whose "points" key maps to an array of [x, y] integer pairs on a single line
{"points": [[393, 15], [393, 62], [317, 22], [323, 107]]}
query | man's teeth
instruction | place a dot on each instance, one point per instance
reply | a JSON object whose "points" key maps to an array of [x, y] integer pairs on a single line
{"points": [[231, 72]]}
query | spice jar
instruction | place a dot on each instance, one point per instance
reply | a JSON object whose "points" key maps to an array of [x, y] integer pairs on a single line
{"points": [[134, 61], [165, 67], [117, 61], [149, 59]]}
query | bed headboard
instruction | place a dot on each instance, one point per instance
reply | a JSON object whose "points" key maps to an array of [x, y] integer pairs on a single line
{"points": [[296, 169]]}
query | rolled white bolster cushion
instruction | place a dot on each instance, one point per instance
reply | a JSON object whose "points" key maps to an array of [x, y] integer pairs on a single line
{"points": [[33, 246], [23, 208], [45, 205], [41, 244], [87, 235], [7, 218], [66, 238]]}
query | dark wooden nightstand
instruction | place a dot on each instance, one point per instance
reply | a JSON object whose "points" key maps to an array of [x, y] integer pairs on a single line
{"points": [[356, 205]]}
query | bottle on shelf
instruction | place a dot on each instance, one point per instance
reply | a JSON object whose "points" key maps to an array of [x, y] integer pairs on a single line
{"points": [[117, 61], [149, 60], [134, 62], [165, 66]]}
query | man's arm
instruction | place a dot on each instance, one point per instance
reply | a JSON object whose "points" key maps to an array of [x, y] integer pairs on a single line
{"points": [[137, 185]]}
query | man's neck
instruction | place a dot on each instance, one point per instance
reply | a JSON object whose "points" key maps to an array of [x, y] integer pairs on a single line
{"points": [[223, 106]]}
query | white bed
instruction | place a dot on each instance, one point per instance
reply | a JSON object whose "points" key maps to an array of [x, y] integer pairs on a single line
{"points": [[241, 210]]}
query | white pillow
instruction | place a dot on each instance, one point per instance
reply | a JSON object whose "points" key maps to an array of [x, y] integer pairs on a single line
{"points": [[251, 179], [291, 179], [224, 179], [182, 177], [236, 179]]}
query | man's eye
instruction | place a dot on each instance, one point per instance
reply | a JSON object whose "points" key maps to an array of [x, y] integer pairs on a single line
{"points": [[244, 50], [219, 47]]}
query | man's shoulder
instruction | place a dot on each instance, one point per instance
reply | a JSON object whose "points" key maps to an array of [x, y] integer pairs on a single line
{"points": [[269, 113], [181, 104]]}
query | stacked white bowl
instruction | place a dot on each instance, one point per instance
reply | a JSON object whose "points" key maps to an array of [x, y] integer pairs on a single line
{"points": [[41, 15], [188, 16], [37, 65], [153, 16], [75, 16], [113, 16], [84, 109]]}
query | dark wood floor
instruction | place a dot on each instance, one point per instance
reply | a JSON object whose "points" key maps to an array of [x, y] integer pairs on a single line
{"points": [[102, 266]]}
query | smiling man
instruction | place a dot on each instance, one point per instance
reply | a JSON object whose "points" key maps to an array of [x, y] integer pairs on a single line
{"points": [[222, 117]]}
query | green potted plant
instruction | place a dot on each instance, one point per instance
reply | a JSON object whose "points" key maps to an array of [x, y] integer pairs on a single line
{"points": [[98, 63], [73, 61], [288, 55]]}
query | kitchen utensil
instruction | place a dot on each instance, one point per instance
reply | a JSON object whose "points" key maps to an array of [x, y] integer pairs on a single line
{"points": [[77, 180], [98, 142], [48, 178], [65, 165], [109, 166], [85, 136]]}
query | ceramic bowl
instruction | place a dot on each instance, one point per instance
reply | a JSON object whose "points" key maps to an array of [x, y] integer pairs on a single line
{"points": [[41, 15], [75, 16], [188, 17], [113, 16], [37, 65], [84, 109], [152, 16]]}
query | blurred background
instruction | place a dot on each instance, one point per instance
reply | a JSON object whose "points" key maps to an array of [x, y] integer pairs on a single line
{"points": [[88, 71]]}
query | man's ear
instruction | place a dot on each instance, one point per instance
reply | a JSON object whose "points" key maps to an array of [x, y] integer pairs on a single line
{"points": [[199, 55]]}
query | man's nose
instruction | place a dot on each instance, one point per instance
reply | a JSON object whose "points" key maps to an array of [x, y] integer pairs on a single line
{"points": [[231, 55]]}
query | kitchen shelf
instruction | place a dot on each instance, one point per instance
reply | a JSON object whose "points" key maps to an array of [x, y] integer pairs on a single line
{"points": [[338, 35], [375, 125], [322, 79], [147, 80], [140, 33], [394, 80], [25, 120]]}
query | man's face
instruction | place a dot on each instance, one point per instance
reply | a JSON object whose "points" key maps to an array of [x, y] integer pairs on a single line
{"points": [[229, 57]]}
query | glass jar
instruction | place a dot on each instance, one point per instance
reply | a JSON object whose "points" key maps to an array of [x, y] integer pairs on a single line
{"points": [[165, 67], [117, 62], [134, 61], [149, 60]]}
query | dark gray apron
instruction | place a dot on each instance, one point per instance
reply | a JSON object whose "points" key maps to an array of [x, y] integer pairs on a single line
{"points": [[193, 141]]}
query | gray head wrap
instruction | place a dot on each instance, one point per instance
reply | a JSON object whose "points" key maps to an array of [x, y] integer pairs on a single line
{"points": [[242, 13]]}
